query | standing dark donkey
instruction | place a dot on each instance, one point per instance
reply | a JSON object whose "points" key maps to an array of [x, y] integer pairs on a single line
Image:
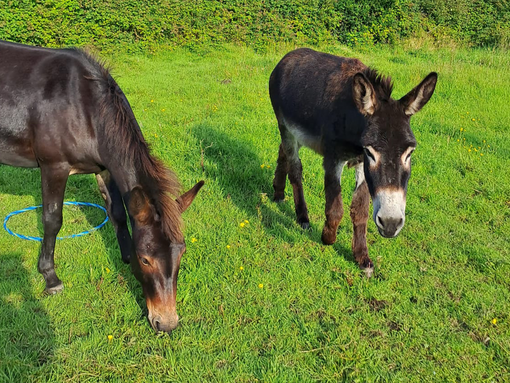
{"points": [[343, 110], [61, 111]]}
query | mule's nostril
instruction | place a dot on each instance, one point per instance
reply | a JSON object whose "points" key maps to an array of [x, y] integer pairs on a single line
{"points": [[400, 222], [380, 222]]}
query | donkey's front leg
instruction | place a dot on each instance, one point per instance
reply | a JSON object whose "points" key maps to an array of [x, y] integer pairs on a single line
{"points": [[359, 216], [334, 206], [116, 211], [53, 181]]}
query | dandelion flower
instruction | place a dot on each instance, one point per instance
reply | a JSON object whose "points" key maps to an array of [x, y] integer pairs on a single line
{"points": [[107, 269], [241, 268], [228, 246], [152, 100], [246, 221], [242, 224], [494, 321], [262, 166], [193, 240], [473, 119], [261, 285], [110, 337]]}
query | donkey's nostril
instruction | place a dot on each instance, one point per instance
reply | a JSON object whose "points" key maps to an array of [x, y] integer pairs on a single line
{"points": [[380, 222]]}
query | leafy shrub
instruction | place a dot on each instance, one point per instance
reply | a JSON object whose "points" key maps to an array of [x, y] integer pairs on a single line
{"points": [[260, 23]]}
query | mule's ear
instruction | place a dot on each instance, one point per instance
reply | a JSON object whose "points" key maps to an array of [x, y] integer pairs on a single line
{"points": [[139, 206], [187, 198], [419, 96], [364, 94]]}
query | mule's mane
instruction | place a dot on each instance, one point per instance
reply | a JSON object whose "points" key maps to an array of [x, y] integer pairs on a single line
{"points": [[382, 84], [122, 131]]}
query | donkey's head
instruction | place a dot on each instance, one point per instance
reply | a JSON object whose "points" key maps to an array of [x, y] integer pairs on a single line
{"points": [[158, 257], [388, 143]]}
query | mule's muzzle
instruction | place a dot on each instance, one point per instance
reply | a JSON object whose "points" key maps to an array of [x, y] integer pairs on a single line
{"points": [[389, 227], [164, 323]]}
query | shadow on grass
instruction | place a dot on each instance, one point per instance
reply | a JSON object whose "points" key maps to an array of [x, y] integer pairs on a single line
{"points": [[236, 168], [23, 182], [26, 333]]}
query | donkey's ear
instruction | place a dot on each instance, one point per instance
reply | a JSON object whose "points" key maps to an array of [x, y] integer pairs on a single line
{"points": [[187, 198], [364, 94], [419, 96], [139, 206]]}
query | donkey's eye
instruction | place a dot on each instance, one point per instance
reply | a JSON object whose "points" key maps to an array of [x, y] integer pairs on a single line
{"points": [[409, 155], [369, 154]]}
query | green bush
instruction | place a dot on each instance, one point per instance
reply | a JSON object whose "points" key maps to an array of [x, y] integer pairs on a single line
{"points": [[259, 23]]}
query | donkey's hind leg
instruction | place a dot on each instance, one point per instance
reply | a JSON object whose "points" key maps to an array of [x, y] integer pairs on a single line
{"points": [[53, 181], [359, 216], [290, 148], [116, 211], [280, 176]]}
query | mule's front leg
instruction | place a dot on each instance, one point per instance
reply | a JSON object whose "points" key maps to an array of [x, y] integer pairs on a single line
{"points": [[53, 181], [115, 207], [334, 205], [359, 216]]}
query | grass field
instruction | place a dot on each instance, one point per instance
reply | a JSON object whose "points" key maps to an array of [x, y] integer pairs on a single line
{"points": [[259, 299]]}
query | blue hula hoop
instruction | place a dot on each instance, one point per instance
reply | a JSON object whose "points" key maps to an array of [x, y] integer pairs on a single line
{"points": [[30, 238]]}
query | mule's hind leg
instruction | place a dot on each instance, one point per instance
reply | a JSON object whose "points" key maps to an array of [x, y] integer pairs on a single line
{"points": [[53, 181], [280, 176], [116, 211], [359, 216], [334, 206]]}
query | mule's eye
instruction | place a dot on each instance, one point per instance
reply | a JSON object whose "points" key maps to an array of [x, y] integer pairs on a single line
{"points": [[145, 261]]}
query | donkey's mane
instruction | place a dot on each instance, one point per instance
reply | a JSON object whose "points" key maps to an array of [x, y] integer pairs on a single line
{"points": [[382, 84], [122, 131]]}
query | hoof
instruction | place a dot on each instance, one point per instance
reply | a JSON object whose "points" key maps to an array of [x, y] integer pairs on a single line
{"points": [[328, 236], [278, 199], [368, 272], [54, 289], [305, 225]]}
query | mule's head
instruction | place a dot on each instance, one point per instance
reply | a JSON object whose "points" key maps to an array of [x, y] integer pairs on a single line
{"points": [[158, 258], [388, 143]]}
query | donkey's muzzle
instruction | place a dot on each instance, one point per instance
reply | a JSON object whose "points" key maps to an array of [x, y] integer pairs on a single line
{"points": [[389, 227]]}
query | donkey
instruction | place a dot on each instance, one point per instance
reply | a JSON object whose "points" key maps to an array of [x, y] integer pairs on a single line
{"points": [[343, 110], [61, 111]]}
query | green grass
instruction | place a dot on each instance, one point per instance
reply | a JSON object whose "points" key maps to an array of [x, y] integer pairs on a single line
{"points": [[267, 301]]}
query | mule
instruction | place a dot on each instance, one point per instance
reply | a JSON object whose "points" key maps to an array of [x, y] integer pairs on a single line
{"points": [[61, 111], [343, 110]]}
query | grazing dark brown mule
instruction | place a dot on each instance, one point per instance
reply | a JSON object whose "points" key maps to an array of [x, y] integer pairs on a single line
{"points": [[61, 111], [343, 110]]}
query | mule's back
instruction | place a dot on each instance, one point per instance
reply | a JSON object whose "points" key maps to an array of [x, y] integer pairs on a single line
{"points": [[47, 105]]}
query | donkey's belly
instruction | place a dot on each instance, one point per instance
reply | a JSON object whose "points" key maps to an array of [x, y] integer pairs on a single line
{"points": [[303, 137]]}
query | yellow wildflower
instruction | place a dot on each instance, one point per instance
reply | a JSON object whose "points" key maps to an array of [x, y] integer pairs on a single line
{"points": [[228, 246], [494, 321], [241, 268], [242, 224], [110, 337], [262, 166], [193, 240], [107, 269], [261, 285]]}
